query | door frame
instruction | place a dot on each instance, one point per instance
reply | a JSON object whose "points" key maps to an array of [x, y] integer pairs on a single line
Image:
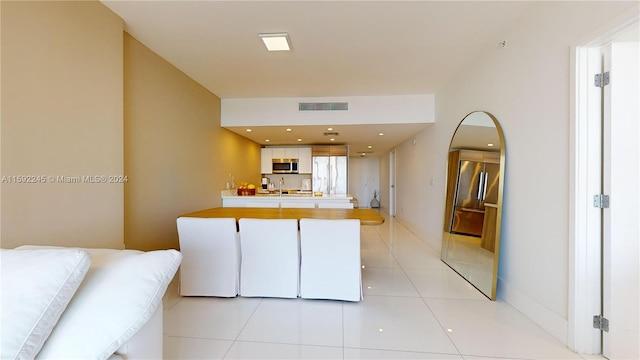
{"points": [[585, 290], [392, 182]]}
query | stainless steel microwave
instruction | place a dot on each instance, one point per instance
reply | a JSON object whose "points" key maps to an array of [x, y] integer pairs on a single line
{"points": [[284, 166]]}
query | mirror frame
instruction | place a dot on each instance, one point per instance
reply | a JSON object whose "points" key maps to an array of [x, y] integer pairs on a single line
{"points": [[498, 225]]}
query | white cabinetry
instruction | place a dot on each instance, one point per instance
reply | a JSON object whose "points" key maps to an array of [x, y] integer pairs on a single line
{"points": [[277, 153], [303, 154], [284, 152], [304, 160], [265, 161], [291, 153], [336, 202]]}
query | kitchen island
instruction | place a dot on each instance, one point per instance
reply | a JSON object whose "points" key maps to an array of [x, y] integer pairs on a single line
{"points": [[366, 216], [296, 200]]}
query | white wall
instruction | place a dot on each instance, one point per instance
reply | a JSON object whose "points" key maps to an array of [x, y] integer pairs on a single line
{"points": [[364, 179], [420, 205], [526, 86], [412, 109]]}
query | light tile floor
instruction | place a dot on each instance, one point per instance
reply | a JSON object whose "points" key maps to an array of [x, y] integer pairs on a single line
{"points": [[414, 307]]}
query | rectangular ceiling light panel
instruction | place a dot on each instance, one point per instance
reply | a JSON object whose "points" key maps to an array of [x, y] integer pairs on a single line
{"points": [[276, 41]]}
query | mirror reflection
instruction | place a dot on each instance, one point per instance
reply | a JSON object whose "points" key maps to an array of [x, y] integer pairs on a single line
{"points": [[471, 239]]}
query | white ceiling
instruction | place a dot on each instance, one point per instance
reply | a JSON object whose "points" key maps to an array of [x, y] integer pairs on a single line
{"points": [[340, 48]]}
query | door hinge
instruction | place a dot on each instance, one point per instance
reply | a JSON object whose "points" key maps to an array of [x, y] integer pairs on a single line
{"points": [[601, 80], [601, 201], [600, 323]]}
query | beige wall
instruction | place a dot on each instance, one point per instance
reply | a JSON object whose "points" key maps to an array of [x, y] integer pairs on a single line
{"points": [[61, 116], [64, 81], [177, 158]]}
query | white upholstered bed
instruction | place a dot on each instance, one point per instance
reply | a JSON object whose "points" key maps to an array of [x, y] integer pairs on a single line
{"points": [[78, 303]]}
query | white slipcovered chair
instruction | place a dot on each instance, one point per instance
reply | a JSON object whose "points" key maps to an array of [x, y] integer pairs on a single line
{"points": [[330, 259], [211, 256], [270, 258]]}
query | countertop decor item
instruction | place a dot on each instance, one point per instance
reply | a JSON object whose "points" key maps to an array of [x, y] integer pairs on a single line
{"points": [[374, 202], [246, 192]]}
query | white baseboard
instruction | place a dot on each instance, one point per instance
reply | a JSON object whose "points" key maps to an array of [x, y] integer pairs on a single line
{"points": [[551, 322], [432, 241]]}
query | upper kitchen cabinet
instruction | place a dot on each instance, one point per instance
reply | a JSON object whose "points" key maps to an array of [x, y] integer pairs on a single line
{"points": [[284, 153], [304, 160], [303, 154], [330, 150], [265, 161]]}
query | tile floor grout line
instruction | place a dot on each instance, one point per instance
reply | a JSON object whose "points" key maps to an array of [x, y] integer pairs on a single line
{"points": [[235, 340], [432, 313], [444, 330], [429, 308], [342, 323]]}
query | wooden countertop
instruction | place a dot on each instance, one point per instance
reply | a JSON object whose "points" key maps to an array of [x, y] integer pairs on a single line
{"points": [[366, 216]]}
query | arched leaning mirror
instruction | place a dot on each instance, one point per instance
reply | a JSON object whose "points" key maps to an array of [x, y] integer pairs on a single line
{"points": [[473, 210]]}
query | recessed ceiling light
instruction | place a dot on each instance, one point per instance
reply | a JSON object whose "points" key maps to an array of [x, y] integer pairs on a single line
{"points": [[369, 147], [380, 134], [329, 129], [266, 140], [288, 129], [299, 140], [363, 154], [490, 145], [276, 41], [332, 139], [248, 130]]}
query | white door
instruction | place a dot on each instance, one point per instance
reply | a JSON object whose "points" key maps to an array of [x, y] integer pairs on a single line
{"points": [[604, 273], [621, 221], [392, 182]]}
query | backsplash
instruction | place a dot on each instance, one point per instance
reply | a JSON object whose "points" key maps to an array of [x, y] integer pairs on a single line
{"points": [[291, 181]]}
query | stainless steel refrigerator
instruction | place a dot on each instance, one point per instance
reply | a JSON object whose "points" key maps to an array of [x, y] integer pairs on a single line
{"points": [[329, 174], [477, 184]]}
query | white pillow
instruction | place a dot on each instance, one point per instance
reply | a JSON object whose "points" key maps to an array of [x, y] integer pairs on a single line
{"points": [[119, 295], [37, 285]]}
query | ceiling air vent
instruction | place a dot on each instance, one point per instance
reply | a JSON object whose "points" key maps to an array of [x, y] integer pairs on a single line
{"points": [[331, 134], [323, 106]]}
